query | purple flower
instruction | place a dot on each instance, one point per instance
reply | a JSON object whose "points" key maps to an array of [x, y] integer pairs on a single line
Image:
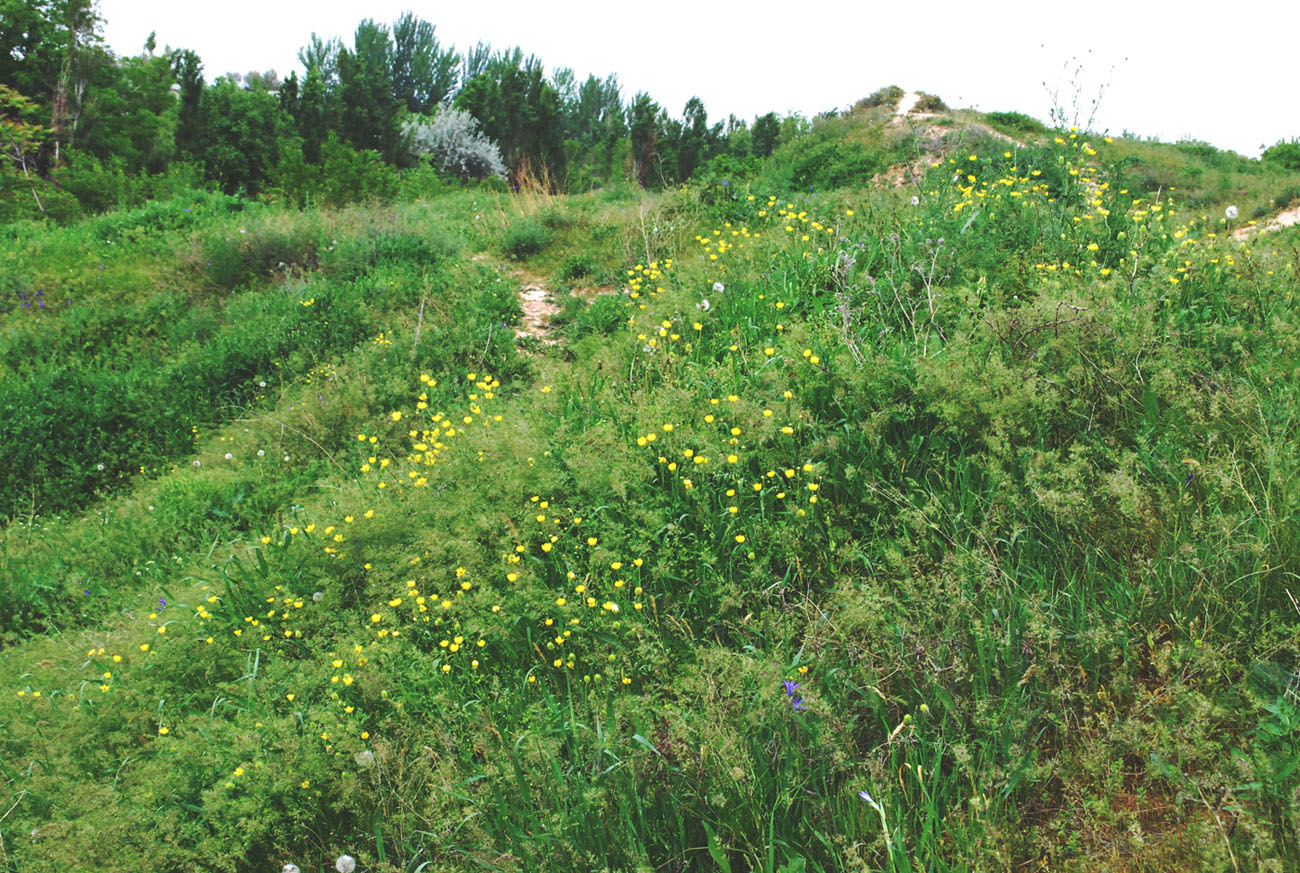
{"points": [[797, 704], [790, 687]]}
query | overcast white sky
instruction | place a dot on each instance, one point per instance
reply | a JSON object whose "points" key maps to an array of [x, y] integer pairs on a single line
{"points": [[1221, 72]]}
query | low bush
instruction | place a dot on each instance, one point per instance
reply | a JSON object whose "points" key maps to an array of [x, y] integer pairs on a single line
{"points": [[525, 237], [238, 255], [1283, 154], [1015, 123], [886, 96]]}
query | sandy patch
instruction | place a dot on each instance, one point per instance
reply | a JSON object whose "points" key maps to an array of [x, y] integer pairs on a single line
{"points": [[907, 103], [538, 306], [1285, 218], [590, 293]]}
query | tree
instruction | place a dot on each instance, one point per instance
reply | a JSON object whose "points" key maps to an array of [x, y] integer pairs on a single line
{"points": [[593, 124], [288, 94], [267, 81], [49, 52], [29, 47], [520, 110], [695, 138], [313, 114], [424, 73], [129, 113], [21, 137], [78, 63], [475, 62], [644, 126], [188, 71], [591, 109], [766, 132], [368, 105], [238, 133], [322, 56]]}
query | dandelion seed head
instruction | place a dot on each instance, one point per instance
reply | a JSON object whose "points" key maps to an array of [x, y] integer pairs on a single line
{"points": [[718, 287], [345, 864], [1231, 213]]}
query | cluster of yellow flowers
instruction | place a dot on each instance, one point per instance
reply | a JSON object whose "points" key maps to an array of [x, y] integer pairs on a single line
{"points": [[640, 274]]}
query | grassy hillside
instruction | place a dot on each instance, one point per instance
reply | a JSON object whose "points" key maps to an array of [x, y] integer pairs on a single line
{"points": [[832, 524]]}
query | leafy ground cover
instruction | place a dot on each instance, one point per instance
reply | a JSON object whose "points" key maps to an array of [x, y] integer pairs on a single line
{"points": [[943, 527]]}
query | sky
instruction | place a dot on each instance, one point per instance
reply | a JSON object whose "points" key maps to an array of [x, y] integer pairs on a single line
{"points": [[1222, 73]]}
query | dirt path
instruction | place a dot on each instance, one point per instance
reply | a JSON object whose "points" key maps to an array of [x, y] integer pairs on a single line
{"points": [[932, 137], [1285, 218], [907, 103], [538, 306], [538, 303]]}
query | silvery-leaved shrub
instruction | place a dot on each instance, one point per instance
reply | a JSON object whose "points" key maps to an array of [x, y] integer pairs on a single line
{"points": [[455, 145]]}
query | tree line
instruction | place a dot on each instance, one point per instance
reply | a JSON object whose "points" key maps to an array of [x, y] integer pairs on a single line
{"points": [[78, 121]]}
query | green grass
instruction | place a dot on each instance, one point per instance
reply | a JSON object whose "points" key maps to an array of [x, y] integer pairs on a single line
{"points": [[1003, 479]]}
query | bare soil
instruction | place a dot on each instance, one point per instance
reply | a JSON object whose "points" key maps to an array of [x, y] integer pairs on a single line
{"points": [[1285, 218]]}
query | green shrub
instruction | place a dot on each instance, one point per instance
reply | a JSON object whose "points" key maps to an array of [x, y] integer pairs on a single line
{"points": [[930, 103], [556, 218], [1214, 158], [1015, 123], [242, 254], [602, 316], [344, 175], [527, 236], [354, 257], [886, 96], [833, 164], [1284, 154], [182, 212], [97, 185], [577, 267]]}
